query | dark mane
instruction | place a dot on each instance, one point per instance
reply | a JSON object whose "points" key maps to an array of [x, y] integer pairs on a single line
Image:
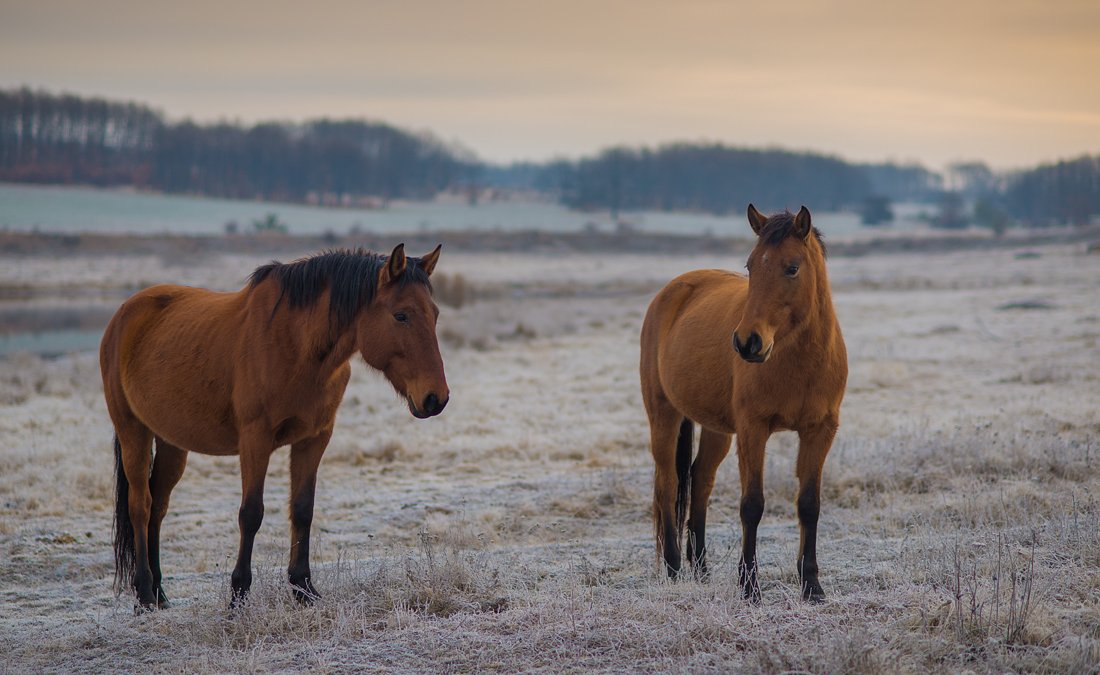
{"points": [[778, 227], [351, 276]]}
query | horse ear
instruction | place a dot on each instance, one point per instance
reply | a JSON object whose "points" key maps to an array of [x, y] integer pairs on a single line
{"points": [[756, 220], [395, 265], [802, 224], [427, 263]]}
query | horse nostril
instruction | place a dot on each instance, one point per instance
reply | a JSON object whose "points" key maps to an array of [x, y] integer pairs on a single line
{"points": [[433, 406], [430, 404], [750, 347], [755, 344]]}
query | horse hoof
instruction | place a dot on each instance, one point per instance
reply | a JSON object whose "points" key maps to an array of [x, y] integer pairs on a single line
{"points": [[812, 592], [306, 596], [238, 600], [303, 589], [751, 594]]}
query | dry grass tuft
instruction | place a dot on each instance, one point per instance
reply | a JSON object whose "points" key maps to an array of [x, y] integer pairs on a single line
{"points": [[452, 290]]}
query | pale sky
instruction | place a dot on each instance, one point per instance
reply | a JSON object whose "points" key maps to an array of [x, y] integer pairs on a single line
{"points": [[1009, 82]]}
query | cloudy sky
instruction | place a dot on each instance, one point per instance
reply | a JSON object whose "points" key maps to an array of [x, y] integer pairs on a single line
{"points": [[1010, 82]]}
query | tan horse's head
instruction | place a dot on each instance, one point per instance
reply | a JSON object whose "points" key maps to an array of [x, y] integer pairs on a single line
{"points": [[396, 332], [784, 269]]}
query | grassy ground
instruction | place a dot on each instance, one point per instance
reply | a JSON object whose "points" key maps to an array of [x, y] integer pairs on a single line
{"points": [[959, 522]]}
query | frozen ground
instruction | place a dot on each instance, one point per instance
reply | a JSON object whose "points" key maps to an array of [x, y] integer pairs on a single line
{"points": [[959, 523]]}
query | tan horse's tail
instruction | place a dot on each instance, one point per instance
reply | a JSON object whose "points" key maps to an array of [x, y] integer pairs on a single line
{"points": [[683, 473], [124, 529]]}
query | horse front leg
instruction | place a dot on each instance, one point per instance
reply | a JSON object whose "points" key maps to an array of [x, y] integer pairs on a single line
{"points": [[305, 456], [751, 440], [256, 447], [814, 444]]}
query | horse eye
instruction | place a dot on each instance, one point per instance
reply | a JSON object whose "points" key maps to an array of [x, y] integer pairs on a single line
{"points": [[401, 317], [791, 271]]}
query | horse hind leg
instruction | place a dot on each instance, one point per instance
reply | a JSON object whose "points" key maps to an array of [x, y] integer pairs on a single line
{"points": [[713, 448], [168, 466], [133, 457], [670, 443]]}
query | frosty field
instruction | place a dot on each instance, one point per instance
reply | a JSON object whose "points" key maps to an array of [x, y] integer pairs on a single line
{"points": [[960, 505]]}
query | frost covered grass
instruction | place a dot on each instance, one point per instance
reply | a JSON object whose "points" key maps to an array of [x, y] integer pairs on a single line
{"points": [[959, 521]]}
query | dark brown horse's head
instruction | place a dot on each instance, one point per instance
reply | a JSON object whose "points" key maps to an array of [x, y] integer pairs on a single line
{"points": [[396, 332], [784, 269]]}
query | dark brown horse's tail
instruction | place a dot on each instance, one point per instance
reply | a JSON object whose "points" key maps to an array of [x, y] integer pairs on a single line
{"points": [[683, 472], [124, 529]]}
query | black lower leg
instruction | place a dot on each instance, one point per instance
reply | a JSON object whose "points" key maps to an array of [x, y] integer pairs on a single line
{"points": [[697, 548], [301, 518], [143, 584], [752, 510], [249, 517], [671, 540], [809, 508], [154, 564]]}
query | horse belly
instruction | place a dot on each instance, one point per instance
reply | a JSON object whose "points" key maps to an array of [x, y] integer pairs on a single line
{"points": [[696, 376], [181, 390], [188, 419], [689, 330]]}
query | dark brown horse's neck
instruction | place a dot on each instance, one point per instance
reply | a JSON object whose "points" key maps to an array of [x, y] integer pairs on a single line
{"points": [[320, 349], [334, 351]]}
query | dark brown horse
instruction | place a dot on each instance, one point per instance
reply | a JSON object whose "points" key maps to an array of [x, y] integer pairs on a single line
{"points": [[747, 357], [247, 372]]}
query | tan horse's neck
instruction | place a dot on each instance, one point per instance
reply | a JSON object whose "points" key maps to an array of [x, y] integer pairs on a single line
{"points": [[823, 327], [818, 331]]}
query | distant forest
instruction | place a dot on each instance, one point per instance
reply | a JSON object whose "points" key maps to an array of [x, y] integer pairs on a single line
{"points": [[720, 179], [67, 139], [47, 138]]}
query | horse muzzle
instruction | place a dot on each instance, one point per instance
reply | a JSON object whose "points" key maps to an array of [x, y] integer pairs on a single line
{"points": [[429, 407], [752, 349]]}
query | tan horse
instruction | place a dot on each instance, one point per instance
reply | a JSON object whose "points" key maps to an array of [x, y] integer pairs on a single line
{"points": [[746, 356], [247, 372]]}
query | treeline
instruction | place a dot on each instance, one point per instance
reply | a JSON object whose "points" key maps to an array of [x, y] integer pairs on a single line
{"points": [[721, 179], [715, 178], [52, 138], [1066, 192], [710, 178], [319, 161], [65, 139]]}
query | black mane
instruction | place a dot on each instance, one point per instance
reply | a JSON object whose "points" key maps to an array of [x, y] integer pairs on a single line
{"points": [[351, 276], [780, 225]]}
